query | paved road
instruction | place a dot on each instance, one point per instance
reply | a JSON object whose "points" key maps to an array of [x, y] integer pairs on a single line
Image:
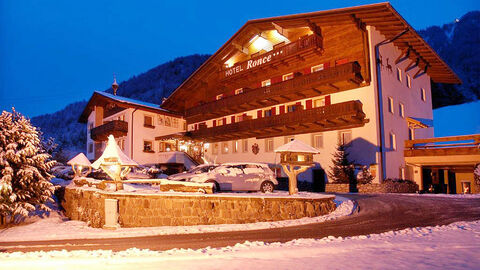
{"points": [[375, 214]]}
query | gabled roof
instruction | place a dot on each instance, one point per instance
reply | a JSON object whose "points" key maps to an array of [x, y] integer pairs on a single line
{"points": [[103, 97], [382, 16], [297, 146]]}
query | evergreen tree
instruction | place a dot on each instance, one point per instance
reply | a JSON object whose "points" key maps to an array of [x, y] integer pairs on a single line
{"points": [[343, 170], [24, 165], [364, 176]]}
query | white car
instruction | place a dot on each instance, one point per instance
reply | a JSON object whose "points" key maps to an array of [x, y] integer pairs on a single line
{"points": [[185, 176], [239, 177]]}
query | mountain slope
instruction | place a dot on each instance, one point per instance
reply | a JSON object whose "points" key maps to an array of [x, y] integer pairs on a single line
{"points": [[151, 86], [458, 43]]}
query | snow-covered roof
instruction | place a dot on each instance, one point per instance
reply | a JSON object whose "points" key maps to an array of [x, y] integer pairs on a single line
{"points": [[79, 159], [297, 146], [113, 151], [131, 101]]}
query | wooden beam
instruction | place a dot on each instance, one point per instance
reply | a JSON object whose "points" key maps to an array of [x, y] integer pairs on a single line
{"points": [[412, 64], [403, 56]]}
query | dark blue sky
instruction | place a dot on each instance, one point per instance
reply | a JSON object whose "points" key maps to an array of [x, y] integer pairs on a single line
{"points": [[56, 52]]}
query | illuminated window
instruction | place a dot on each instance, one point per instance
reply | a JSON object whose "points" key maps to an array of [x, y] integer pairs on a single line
{"points": [[235, 146], [319, 102], [390, 104], [316, 68], [423, 96], [267, 113], [287, 76], [401, 110], [245, 146], [393, 141], [225, 148], [238, 91], [345, 137], [268, 145], [220, 96], [409, 81], [399, 74], [317, 141], [266, 83]]}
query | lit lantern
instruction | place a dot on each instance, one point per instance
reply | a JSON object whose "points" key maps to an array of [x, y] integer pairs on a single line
{"points": [[295, 158], [114, 162], [79, 163]]}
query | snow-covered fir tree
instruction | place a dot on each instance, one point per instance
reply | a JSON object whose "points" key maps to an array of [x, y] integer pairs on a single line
{"points": [[343, 170], [24, 179], [364, 176]]}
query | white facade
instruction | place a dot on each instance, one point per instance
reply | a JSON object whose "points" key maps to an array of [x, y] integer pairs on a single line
{"points": [[139, 134]]}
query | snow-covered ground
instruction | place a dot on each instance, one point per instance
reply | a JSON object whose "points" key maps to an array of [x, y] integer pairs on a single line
{"points": [[56, 226], [454, 246]]}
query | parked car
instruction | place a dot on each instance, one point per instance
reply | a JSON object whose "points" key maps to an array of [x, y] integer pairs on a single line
{"points": [[200, 169], [239, 177]]}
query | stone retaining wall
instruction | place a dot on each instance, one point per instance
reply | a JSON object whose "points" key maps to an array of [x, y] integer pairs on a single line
{"points": [[137, 210], [388, 187]]}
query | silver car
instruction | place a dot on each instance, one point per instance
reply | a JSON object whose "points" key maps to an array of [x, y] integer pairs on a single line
{"points": [[200, 169], [239, 177]]}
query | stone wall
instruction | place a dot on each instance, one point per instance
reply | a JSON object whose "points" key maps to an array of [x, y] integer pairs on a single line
{"points": [[137, 210], [387, 187]]}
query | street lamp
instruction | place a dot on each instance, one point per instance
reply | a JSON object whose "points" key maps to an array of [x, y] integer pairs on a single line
{"points": [[78, 163], [114, 163]]}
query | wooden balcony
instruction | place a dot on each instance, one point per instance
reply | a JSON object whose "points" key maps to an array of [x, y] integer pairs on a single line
{"points": [[332, 117], [334, 79], [443, 146], [282, 53], [117, 128]]}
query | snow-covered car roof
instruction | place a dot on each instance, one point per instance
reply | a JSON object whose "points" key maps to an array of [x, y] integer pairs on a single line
{"points": [[243, 163]]}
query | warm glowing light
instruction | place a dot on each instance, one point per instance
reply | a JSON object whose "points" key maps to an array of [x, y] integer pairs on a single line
{"points": [[261, 43], [113, 168], [183, 147], [207, 145], [277, 36], [168, 149], [301, 158]]}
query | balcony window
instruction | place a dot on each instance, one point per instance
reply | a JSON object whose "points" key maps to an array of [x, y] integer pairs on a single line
{"points": [[317, 140], [390, 104], [245, 146], [317, 68], [267, 113], [266, 83], [148, 121], [268, 145], [215, 149], [287, 76], [168, 121], [423, 96], [319, 102], [401, 110], [238, 91], [345, 137], [148, 146], [235, 146]]}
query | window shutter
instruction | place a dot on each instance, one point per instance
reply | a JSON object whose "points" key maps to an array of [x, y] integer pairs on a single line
{"points": [[233, 119], [259, 114], [308, 104], [274, 111], [328, 100], [307, 70], [214, 123], [326, 65], [224, 121]]}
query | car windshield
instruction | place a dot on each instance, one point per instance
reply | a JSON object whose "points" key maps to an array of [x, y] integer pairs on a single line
{"points": [[200, 168]]}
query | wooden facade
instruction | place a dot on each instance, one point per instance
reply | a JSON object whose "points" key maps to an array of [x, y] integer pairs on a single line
{"points": [[331, 117], [117, 128], [443, 146]]}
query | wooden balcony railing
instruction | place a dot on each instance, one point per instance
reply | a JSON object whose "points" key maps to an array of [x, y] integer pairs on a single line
{"points": [[346, 76], [117, 128], [279, 53], [337, 116], [443, 146]]}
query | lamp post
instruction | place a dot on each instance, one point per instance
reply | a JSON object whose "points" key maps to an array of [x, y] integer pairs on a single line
{"points": [[78, 163], [295, 158], [114, 163]]}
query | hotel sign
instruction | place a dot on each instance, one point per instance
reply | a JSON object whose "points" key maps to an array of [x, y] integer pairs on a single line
{"points": [[308, 42]]}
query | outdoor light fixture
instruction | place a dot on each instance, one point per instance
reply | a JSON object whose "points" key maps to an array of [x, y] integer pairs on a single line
{"points": [[78, 163], [114, 163]]}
